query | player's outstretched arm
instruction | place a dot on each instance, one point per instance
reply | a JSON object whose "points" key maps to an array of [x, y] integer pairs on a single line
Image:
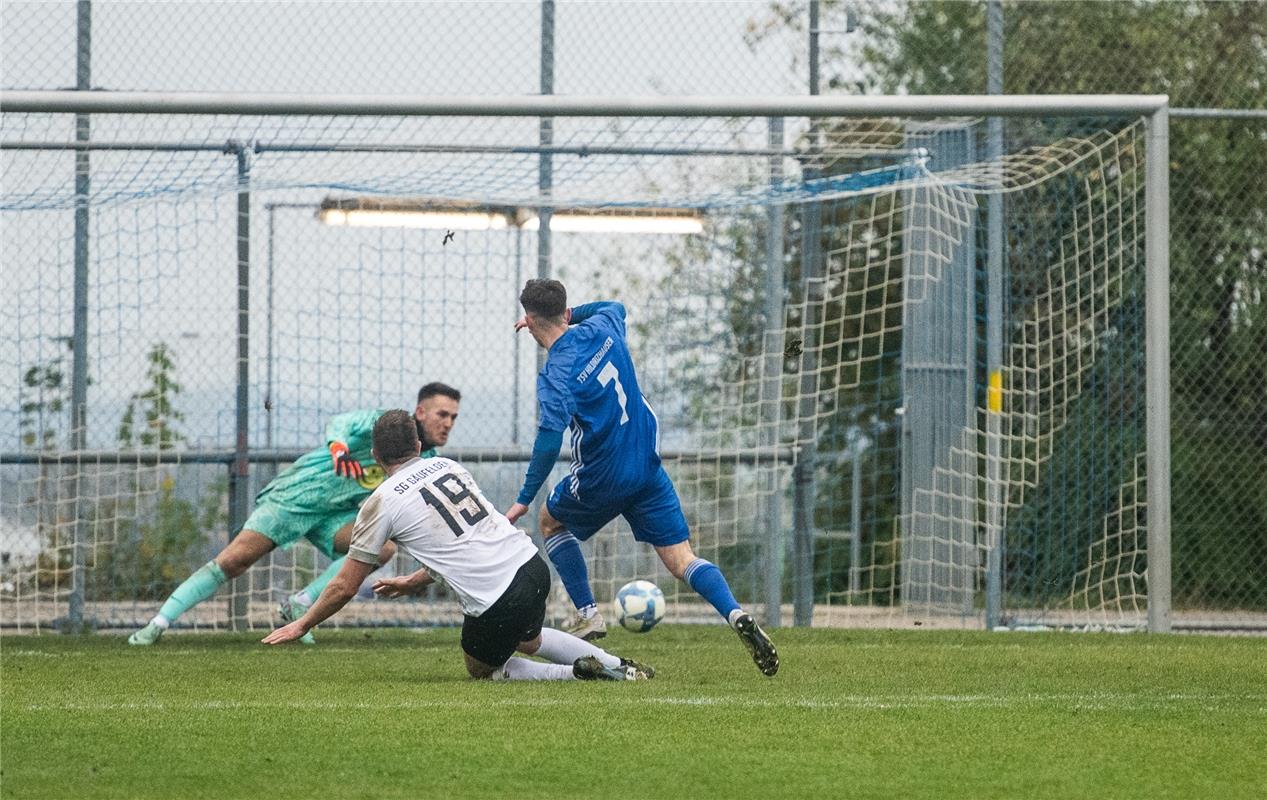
{"points": [[341, 589], [545, 451], [583, 312], [403, 585]]}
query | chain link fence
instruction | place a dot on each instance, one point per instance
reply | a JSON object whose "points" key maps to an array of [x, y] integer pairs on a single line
{"points": [[1211, 58]]}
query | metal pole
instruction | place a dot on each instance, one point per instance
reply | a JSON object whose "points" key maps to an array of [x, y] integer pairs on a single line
{"points": [[79, 338], [519, 257], [772, 388], [836, 105], [994, 330], [813, 47], [268, 391], [545, 186], [545, 174], [804, 490], [855, 523], [1157, 367], [239, 472]]}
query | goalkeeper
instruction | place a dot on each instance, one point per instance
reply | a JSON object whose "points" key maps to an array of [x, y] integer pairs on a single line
{"points": [[316, 498]]}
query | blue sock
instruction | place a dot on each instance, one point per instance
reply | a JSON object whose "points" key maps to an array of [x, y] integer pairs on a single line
{"points": [[706, 579], [565, 553]]}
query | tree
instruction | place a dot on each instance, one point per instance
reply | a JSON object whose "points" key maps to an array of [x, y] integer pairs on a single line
{"points": [[157, 403], [1201, 54], [145, 546]]}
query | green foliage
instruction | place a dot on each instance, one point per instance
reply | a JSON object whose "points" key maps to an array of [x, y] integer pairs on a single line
{"points": [[144, 551], [1201, 54], [147, 537], [156, 403]]}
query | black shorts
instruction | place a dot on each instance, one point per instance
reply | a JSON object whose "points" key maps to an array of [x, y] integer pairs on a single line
{"points": [[491, 638]]}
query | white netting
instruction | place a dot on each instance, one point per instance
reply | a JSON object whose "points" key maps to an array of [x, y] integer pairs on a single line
{"points": [[877, 327]]}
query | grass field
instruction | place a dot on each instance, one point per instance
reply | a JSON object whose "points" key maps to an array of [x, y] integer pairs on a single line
{"points": [[851, 714]]}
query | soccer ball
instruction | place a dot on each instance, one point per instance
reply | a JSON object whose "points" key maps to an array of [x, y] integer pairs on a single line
{"points": [[639, 606]]}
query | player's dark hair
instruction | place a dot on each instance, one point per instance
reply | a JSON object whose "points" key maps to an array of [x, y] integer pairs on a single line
{"points": [[545, 298], [395, 437], [436, 388]]}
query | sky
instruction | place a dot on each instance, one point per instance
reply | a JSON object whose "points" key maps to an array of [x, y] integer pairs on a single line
{"points": [[164, 263]]}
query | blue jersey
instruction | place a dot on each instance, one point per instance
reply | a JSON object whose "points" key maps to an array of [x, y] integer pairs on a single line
{"points": [[588, 386]]}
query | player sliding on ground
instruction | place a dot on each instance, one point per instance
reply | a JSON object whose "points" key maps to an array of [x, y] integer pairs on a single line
{"points": [[432, 508], [588, 384], [315, 498]]}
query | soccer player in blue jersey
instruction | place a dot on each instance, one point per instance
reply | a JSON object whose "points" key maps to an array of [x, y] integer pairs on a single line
{"points": [[589, 385]]}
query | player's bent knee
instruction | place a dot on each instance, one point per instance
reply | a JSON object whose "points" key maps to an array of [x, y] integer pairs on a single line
{"points": [[478, 669], [549, 526], [676, 558], [387, 553]]}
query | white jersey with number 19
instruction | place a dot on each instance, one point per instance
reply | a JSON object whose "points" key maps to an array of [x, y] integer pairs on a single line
{"points": [[433, 510]]}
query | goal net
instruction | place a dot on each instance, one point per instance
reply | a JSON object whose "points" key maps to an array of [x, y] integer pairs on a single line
{"points": [[859, 434]]}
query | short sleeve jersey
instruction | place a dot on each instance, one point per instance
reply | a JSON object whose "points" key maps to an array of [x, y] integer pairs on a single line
{"points": [[433, 510], [588, 386]]}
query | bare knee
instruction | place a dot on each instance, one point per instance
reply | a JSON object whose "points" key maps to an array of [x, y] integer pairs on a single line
{"points": [[478, 669], [245, 549], [531, 646], [387, 553], [548, 525], [676, 558]]}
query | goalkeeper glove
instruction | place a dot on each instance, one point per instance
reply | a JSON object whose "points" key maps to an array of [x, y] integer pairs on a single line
{"points": [[345, 466]]}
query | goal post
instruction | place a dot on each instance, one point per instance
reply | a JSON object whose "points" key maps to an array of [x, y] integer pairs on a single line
{"points": [[801, 316]]}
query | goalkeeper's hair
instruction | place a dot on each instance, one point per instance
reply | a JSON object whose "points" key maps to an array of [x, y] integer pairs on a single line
{"points": [[436, 388], [545, 298], [395, 437]]}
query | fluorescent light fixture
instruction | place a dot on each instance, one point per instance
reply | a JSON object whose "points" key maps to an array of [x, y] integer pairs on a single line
{"points": [[437, 214], [369, 212], [652, 220], [440, 220]]}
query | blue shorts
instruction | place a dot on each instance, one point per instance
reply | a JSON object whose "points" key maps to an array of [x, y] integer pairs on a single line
{"points": [[653, 512]]}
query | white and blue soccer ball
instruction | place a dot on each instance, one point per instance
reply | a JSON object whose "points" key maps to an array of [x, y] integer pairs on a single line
{"points": [[639, 606]]}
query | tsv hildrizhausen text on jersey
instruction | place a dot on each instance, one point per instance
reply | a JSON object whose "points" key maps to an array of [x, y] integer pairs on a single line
{"points": [[588, 385]]}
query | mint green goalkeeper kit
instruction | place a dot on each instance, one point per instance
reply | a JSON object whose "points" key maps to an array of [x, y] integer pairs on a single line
{"points": [[309, 500]]}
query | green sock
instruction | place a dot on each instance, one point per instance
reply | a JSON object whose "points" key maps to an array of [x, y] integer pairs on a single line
{"points": [[196, 588], [319, 583]]}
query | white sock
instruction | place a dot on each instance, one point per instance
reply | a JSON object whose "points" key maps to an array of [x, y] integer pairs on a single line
{"points": [[564, 648], [734, 615], [161, 621], [523, 669], [302, 597], [588, 611]]}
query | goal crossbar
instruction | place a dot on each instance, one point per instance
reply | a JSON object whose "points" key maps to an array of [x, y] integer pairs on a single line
{"points": [[86, 102]]}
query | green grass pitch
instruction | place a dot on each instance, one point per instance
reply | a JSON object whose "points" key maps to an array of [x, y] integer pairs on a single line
{"points": [[856, 714]]}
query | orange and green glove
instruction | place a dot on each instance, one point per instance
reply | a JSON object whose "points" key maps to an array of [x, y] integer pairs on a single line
{"points": [[345, 466]]}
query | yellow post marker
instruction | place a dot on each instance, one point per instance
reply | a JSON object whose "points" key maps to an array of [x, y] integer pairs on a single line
{"points": [[994, 396]]}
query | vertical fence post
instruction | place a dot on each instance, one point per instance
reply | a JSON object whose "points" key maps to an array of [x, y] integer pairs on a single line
{"points": [[1157, 366], [994, 330], [545, 187], [79, 334], [239, 472], [803, 488], [772, 388]]}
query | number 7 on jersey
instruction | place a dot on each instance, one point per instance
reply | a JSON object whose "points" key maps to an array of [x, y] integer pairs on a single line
{"points": [[609, 374]]}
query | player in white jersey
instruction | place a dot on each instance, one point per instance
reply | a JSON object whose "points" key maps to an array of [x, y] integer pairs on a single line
{"points": [[433, 510]]}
